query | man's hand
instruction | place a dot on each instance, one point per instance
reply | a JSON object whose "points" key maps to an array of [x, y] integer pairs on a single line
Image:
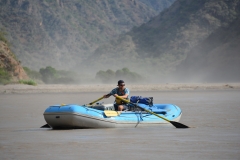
{"points": [[107, 95], [115, 95]]}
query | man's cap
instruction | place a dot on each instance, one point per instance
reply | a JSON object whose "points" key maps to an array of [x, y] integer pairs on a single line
{"points": [[120, 82]]}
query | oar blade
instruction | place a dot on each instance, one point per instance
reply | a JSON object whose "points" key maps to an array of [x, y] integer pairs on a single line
{"points": [[46, 126], [178, 125]]}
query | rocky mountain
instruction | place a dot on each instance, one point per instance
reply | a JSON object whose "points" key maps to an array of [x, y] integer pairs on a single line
{"points": [[157, 47], [183, 25], [189, 41], [10, 67], [157, 5], [216, 59], [62, 33]]}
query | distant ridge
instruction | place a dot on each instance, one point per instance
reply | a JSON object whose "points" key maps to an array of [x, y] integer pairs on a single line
{"points": [[62, 33], [189, 41], [163, 43], [216, 59]]}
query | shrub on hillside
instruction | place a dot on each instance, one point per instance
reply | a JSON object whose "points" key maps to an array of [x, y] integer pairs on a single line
{"points": [[4, 76], [49, 74], [52, 76], [111, 76], [28, 82], [32, 74], [105, 76]]}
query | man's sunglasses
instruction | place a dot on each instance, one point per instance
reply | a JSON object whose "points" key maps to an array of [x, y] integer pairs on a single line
{"points": [[122, 85]]}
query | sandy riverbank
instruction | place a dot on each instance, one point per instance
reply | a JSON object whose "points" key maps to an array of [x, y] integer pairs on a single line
{"points": [[58, 88]]}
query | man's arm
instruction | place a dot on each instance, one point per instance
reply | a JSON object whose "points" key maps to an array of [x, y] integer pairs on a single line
{"points": [[107, 95], [124, 96], [110, 94]]}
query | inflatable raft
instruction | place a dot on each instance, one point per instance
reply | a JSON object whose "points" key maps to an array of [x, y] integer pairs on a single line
{"points": [[74, 116]]}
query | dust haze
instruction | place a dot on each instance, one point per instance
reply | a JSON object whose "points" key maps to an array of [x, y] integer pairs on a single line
{"points": [[195, 68], [215, 59]]}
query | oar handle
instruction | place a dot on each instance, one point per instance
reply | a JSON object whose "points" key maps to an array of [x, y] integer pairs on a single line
{"points": [[98, 99]]}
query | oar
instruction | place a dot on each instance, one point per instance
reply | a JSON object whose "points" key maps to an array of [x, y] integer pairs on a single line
{"points": [[176, 124], [96, 100]]}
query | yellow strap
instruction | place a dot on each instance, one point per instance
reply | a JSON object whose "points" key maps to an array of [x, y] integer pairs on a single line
{"points": [[111, 113]]}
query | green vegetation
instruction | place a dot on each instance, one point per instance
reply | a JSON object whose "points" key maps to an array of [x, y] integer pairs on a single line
{"points": [[52, 76], [109, 75], [49, 74], [5, 77], [29, 82], [32, 74], [66, 77]]}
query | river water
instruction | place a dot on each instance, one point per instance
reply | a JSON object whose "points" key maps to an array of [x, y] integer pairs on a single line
{"points": [[214, 116]]}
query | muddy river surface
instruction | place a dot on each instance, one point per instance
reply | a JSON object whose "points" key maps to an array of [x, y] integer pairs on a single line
{"points": [[215, 116]]}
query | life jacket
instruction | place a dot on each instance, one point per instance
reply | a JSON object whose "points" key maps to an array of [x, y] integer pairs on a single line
{"points": [[120, 93]]}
